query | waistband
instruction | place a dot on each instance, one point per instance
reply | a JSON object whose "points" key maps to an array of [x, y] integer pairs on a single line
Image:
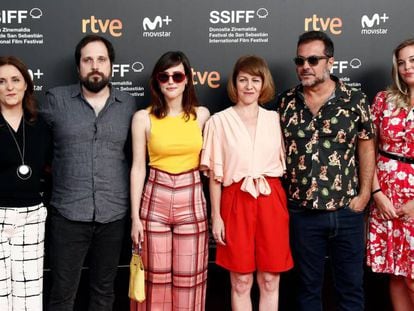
{"points": [[185, 179], [23, 209], [396, 157], [256, 187]]}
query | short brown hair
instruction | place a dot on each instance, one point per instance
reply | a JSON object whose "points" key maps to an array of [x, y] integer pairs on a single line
{"points": [[29, 104], [255, 66]]}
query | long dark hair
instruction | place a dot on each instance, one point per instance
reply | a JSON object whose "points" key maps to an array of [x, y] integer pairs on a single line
{"points": [[29, 103], [158, 104]]}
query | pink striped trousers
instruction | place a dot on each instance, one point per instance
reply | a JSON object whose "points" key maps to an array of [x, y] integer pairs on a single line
{"points": [[175, 250]]}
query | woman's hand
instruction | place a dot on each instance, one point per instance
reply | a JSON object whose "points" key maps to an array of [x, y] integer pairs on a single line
{"points": [[406, 210], [219, 232], [385, 207], [137, 232]]}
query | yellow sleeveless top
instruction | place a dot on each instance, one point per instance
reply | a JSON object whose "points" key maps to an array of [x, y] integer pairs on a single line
{"points": [[174, 144]]}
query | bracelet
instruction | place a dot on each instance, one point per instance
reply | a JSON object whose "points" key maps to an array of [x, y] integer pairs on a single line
{"points": [[375, 191]]}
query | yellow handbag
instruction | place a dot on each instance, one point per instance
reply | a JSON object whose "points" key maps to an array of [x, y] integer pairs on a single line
{"points": [[136, 277]]}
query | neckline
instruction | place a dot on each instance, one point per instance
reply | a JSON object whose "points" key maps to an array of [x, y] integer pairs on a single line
{"points": [[175, 116], [7, 124], [254, 138]]}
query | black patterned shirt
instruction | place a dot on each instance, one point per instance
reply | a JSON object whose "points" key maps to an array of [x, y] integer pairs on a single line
{"points": [[321, 149]]}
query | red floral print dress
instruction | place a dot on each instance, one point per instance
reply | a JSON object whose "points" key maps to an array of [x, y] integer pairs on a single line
{"points": [[390, 247]]}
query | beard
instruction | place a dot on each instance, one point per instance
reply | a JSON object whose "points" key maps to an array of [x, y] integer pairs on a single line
{"points": [[317, 80], [94, 84]]}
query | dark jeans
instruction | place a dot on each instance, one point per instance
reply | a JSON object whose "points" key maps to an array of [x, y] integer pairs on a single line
{"points": [[339, 234], [70, 242]]}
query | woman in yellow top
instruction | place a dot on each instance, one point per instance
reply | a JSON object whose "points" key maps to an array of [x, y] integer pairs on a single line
{"points": [[169, 216]]}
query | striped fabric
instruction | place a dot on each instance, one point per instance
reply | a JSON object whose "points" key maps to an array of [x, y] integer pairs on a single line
{"points": [[175, 248], [22, 232]]}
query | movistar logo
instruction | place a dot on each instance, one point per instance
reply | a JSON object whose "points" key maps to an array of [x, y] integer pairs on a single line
{"points": [[157, 22], [367, 22]]}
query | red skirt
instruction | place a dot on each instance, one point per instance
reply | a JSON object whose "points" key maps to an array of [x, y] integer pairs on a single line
{"points": [[257, 230]]}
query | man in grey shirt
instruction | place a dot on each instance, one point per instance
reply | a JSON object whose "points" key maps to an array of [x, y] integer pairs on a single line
{"points": [[90, 198]]}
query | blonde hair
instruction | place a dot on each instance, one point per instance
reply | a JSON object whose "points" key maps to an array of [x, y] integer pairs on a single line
{"points": [[399, 92], [255, 66]]}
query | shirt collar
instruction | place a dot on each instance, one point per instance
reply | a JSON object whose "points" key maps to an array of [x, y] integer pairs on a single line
{"points": [[341, 90], [113, 97]]}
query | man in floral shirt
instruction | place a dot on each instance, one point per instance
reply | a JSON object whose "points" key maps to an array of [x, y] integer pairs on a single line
{"points": [[330, 164]]}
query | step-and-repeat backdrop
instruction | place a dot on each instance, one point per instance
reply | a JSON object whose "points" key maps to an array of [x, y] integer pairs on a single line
{"points": [[212, 33]]}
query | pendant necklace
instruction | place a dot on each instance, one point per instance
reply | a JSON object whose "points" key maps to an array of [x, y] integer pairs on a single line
{"points": [[23, 171]]}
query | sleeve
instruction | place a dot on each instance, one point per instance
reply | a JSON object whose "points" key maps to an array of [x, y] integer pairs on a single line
{"points": [[211, 161], [377, 108], [46, 108], [282, 142], [366, 129], [278, 102]]}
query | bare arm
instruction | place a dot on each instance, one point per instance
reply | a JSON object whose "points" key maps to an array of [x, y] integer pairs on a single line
{"points": [[202, 116], [366, 155], [218, 229], [382, 202], [140, 126]]}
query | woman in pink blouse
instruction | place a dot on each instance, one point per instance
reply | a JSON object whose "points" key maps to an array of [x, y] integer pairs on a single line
{"points": [[391, 224], [243, 155]]}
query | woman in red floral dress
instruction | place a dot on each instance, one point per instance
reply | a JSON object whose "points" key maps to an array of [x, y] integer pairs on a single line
{"points": [[391, 225]]}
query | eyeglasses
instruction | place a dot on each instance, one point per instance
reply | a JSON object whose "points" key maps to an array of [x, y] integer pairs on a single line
{"points": [[164, 77], [312, 60]]}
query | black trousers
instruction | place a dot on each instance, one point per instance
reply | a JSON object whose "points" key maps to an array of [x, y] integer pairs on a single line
{"points": [[70, 242]]}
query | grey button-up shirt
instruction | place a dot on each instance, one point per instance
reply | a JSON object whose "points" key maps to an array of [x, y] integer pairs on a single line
{"points": [[90, 170]]}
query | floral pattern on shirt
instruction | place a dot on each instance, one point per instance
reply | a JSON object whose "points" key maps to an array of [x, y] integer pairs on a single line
{"points": [[321, 149]]}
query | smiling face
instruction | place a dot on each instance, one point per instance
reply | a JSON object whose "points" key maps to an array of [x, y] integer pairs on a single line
{"points": [[94, 66], [405, 62], [313, 75], [12, 87], [171, 89], [249, 88]]}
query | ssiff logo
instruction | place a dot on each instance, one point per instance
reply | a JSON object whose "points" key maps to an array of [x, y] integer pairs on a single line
{"points": [[11, 16], [149, 25], [237, 16], [372, 25], [121, 69], [97, 25], [331, 24], [340, 65]]}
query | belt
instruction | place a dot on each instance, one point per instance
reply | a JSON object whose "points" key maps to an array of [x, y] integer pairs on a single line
{"points": [[396, 157]]}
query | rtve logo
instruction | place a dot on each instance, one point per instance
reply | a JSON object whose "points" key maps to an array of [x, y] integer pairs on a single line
{"points": [[11, 16], [331, 24], [96, 25], [158, 21], [212, 78], [367, 22]]}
